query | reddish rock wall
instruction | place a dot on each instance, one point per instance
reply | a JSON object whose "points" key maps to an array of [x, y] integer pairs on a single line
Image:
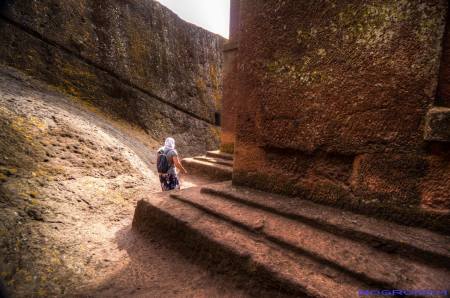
{"points": [[229, 100], [443, 94], [332, 101]]}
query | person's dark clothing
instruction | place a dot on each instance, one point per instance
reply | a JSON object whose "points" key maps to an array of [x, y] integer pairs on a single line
{"points": [[169, 182]]}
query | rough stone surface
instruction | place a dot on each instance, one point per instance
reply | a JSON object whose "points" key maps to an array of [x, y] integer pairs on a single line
{"points": [[136, 59], [229, 100], [326, 253], [437, 124], [443, 94], [215, 168], [70, 178], [230, 96], [332, 103]]}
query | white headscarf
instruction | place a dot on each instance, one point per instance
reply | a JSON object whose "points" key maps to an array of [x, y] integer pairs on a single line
{"points": [[169, 144]]}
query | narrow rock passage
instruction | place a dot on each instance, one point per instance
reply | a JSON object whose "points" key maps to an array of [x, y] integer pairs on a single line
{"points": [[69, 181]]}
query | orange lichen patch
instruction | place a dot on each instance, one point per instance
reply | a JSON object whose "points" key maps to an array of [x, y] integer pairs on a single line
{"points": [[201, 86]]}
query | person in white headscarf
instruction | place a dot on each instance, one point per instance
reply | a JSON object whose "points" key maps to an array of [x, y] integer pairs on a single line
{"points": [[168, 163]]}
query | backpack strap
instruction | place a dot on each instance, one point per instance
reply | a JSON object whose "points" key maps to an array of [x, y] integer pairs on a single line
{"points": [[168, 154]]}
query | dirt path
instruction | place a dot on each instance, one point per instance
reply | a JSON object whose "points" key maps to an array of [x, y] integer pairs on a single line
{"points": [[69, 181]]}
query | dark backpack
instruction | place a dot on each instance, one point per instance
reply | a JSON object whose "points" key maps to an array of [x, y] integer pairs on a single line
{"points": [[162, 162]]}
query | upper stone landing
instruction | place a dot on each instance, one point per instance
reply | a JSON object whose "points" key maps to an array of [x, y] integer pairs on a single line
{"points": [[215, 165]]}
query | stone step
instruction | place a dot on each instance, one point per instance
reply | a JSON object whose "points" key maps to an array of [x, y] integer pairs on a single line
{"points": [[354, 258], [382, 235], [214, 168], [219, 154], [220, 161], [251, 255], [302, 252]]}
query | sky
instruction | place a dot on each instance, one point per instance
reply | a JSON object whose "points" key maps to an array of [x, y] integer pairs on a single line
{"points": [[213, 15]]}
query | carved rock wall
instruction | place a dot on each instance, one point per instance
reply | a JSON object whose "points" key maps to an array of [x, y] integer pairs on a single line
{"points": [[230, 80], [136, 59], [332, 103]]}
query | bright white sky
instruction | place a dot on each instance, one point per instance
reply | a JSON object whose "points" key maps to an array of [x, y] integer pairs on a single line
{"points": [[213, 15]]}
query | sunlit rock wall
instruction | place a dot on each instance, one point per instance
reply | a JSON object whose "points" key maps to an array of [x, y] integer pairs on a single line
{"points": [[136, 59], [333, 97], [230, 80]]}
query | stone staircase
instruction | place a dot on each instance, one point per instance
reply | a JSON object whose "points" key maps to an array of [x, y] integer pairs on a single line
{"points": [[214, 164], [297, 246]]}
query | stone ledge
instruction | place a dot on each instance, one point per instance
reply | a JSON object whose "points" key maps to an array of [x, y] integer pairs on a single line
{"points": [[384, 235], [437, 124], [213, 167], [294, 244], [220, 154]]}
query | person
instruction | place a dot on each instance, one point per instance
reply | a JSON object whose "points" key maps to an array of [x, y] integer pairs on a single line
{"points": [[167, 164]]}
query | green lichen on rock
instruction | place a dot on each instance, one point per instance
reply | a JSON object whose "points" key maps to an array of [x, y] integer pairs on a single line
{"points": [[216, 84], [129, 59], [289, 71], [227, 148]]}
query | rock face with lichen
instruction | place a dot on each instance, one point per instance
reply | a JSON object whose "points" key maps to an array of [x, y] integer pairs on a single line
{"points": [[135, 59], [334, 96]]}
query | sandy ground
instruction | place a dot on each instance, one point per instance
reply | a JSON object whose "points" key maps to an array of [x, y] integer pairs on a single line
{"points": [[69, 180]]}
